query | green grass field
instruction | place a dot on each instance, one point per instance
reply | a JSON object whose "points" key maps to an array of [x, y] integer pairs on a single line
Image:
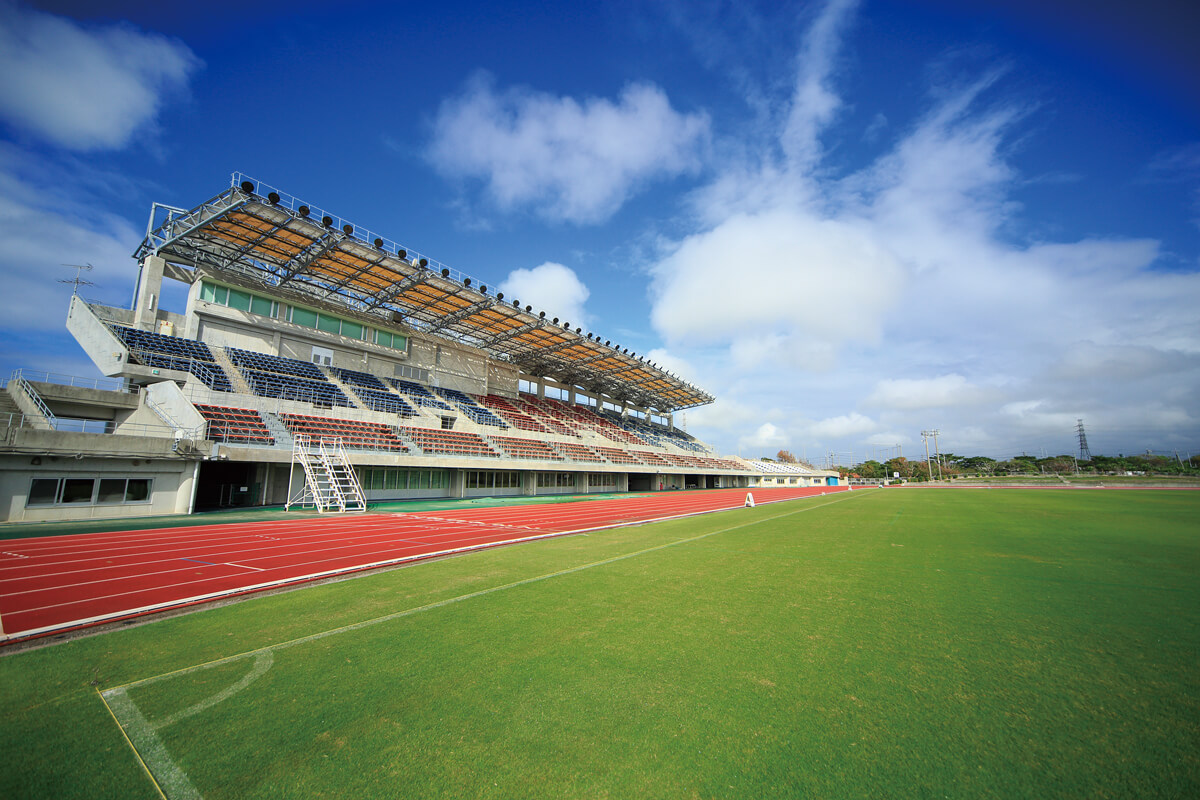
{"points": [[901, 643]]}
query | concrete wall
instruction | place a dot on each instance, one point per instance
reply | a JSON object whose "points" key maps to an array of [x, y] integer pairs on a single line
{"points": [[171, 489]]}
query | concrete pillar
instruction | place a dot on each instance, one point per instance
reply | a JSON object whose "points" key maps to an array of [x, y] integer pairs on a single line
{"points": [[541, 389], [571, 396], [149, 293]]}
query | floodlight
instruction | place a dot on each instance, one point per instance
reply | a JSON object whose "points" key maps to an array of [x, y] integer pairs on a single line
{"points": [[466, 281], [483, 288], [378, 242], [273, 198], [303, 211], [530, 308], [445, 272], [499, 295], [247, 187], [401, 253], [423, 263], [542, 315], [327, 221], [555, 320], [348, 229]]}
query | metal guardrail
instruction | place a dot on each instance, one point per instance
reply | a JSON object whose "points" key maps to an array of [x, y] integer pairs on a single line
{"points": [[97, 426], [32, 394], [104, 384]]}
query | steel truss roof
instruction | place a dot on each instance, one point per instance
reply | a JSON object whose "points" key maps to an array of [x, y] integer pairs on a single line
{"points": [[280, 243]]}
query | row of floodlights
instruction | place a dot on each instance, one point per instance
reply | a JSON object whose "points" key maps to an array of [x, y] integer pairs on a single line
{"points": [[348, 229]]}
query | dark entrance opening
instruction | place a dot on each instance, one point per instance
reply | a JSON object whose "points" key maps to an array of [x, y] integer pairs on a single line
{"points": [[641, 482], [227, 484]]}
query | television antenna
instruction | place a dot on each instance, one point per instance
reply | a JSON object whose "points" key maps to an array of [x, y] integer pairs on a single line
{"points": [[78, 280]]}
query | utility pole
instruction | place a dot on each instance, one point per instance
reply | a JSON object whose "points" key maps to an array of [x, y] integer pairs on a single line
{"points": [[937, 454], [925, 438]]}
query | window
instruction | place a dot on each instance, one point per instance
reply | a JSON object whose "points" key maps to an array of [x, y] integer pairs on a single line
{"points": [[328, 324], [383, 338], [112, 490], [43, 492], [302, 316], [88, 491], [322, 355], [262, 306], [352, 329], [239, 300]]}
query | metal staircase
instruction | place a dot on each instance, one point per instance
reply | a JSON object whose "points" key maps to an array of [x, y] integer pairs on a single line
{"points": [[330, 484]]}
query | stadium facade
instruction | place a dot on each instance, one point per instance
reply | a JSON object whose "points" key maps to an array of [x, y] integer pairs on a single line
{"points": [[318, 363]]}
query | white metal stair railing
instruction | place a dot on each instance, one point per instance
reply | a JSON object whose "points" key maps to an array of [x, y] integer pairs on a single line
{"points": [[330, 483], [315, 489], [342, 479]]}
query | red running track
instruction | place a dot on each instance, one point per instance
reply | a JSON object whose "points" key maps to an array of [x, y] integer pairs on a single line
{"points": [[59, 583]]}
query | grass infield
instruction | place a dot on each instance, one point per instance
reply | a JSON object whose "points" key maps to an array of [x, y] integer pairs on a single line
{"points": [[883, 643]]}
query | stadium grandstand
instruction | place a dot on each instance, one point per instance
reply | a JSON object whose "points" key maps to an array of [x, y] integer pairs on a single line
{"points": [[321, 365]]}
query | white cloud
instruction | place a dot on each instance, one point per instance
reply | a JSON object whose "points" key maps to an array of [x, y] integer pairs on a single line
{"points": [[781, 277], [903, 288], [571, 160], [852, 424], [767, 437], [552, 288], [85, 88], [920, 393]]}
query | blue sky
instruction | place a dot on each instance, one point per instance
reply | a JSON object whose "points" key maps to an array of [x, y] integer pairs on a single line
{"points": [[847, 221]]}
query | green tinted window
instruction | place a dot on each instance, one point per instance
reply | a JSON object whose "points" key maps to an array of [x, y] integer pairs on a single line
{"points": [[383, 338], [239, 300], [329, 324], [352, 329], [260, 306], [302, 316], [208, 292]]}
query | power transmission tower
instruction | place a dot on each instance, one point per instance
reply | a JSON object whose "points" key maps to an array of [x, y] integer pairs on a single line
{"points": [[1084, 453]]}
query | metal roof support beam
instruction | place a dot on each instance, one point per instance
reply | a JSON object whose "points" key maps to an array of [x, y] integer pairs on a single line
{"points": [[450, 319], [399, 288], [180, 227], [310, 254]]}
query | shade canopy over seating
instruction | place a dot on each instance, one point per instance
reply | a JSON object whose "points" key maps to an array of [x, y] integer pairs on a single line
{"points": [[271, 239]]}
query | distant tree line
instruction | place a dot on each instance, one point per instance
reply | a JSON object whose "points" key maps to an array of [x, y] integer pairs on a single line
{"points": [[953, 466]]}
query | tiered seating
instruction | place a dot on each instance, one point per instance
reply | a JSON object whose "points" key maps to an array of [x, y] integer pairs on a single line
{"points": [[619, 456], [652, 458], [418, 393], [242, 425], [354, 435], [579, 452], [546, 416], [512, 415], [170, 352], [356, 378], [477, 413], [287, 378], [526, 448], [452, 443], [383, 400]]}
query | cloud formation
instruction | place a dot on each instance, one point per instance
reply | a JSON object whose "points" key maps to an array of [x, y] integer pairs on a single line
{"points": [[85, 87], [567, 160], [899, 286], [553, 288]]}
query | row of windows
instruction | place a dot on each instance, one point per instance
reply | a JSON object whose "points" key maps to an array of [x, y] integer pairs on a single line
{"points": [[602, 479], [297, 315], [88, 491], [493, 480], [393, 478], [555, 480]]}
